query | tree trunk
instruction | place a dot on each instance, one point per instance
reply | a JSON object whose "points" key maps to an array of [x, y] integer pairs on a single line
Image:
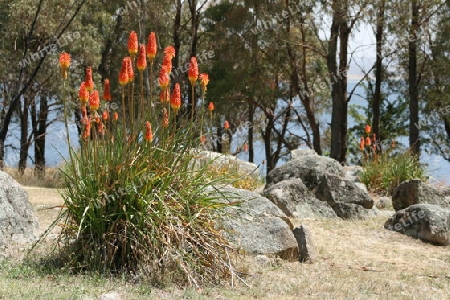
{"points": [[39, 137], [377, 97], [305, 97], [414, 142], [338, 75], [251, 150], [24, 143]]}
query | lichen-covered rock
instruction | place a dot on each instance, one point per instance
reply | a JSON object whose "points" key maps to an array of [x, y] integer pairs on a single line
{"points": [[18, 221], [414, 192], [430, 223], [256, 226], [295, 200]]}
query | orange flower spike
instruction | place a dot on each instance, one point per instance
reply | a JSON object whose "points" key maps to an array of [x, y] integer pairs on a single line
{"points": [[148, 132], [115, 116], [393, 143], [89, 82], [94, 101], [133, 44], [164, 78], [101, 128], [123, 74], [107, 91], [83, 94], [245, 147], [130, 71], [164, 96], [211, 106], [368, 141], [226, 125], [165, 121], [167, 63], [203, 139], [142, 59], [105, 115], [204, 80], [169, 51], [193, 71], [151, 47], [175, 100], [64, 63], [361, 144], [87, 127], [367, 129]]}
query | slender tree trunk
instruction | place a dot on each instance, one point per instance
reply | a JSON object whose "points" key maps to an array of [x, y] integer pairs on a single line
{"points": [[338, 75], [305, 97], [39, 137], [251, 150], [24, 143], [336, 146], [377, 98], [414, 141]]}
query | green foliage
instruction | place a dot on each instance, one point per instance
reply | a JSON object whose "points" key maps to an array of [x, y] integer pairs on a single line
{"points": [[136, 202], [383, 172]]}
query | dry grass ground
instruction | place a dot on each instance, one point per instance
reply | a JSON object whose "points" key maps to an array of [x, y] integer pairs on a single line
{"points": [[356, 260]]}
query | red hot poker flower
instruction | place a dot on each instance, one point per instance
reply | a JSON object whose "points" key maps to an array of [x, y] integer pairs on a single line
{"points": [[165, 121], [164, 95], [193, 71], [142, 59], [130, 70], [167, 63], [89, 82], [211, 106], [169, 51], [368, 141], [361, 144], [367, 129], [226, 125], [87, 127], [204, 80], [123, 74], [175, 100], [133, 44], [148, 132], [94, 100], [151, 47], [64, 63], [83, 94], [105, 115], [164, 77], [116, 116], [107, 91]]}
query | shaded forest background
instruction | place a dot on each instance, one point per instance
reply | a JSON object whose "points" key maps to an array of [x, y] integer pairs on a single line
{"points": [[275, 68]]}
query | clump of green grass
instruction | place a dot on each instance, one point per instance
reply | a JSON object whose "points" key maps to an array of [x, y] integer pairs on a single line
{"points": [[384, 171], [134, 200], [232, 176]]}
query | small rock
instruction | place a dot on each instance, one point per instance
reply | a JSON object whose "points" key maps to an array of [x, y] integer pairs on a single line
{"points": [[297, 153], [306, 250], [383, 202], [114, 295], [262, 260]]}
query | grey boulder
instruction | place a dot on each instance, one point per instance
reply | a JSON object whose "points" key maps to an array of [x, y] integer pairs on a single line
{"points": [[430, 223], [345, 198], [295, 200], [18, 220], [309, 169], [256, 225], [414, 192]]}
